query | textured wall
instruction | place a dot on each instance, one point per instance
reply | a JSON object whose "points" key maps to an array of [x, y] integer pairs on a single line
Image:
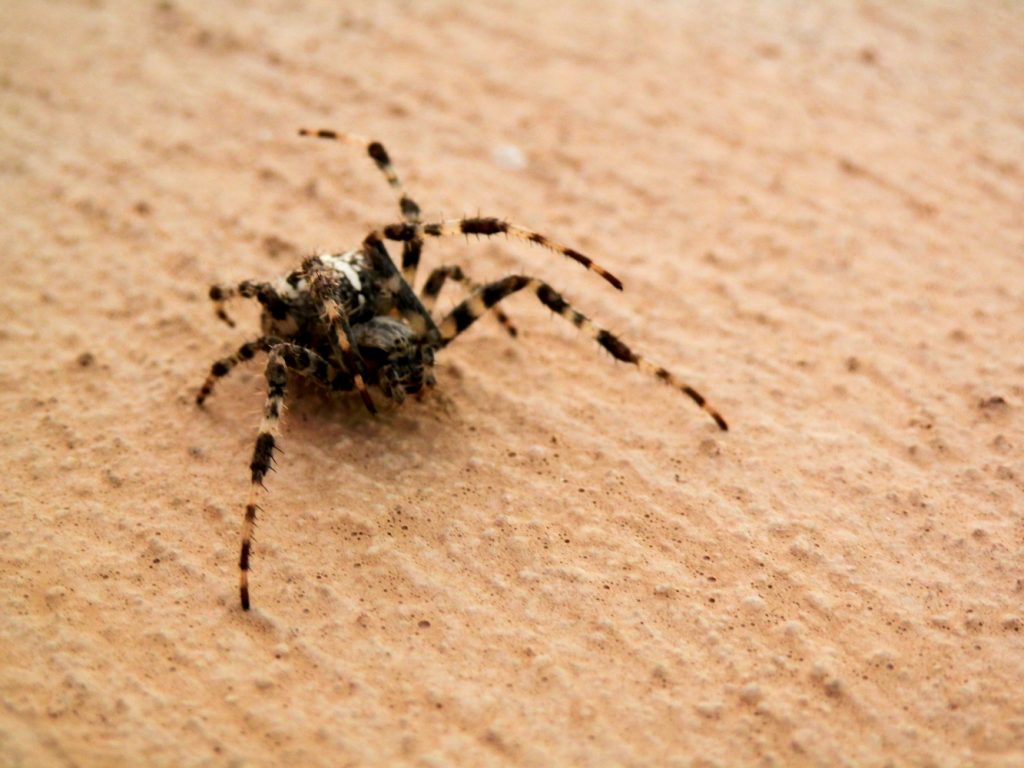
{"points": [[553, 559]]}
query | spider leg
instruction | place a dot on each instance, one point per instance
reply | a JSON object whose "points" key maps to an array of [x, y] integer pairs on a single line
{"points": [[435, 282], [283, 357], [490, 226], [225, 365], [221, 294], [466, 313], [322, 286], [413, 247], [248, 289]]}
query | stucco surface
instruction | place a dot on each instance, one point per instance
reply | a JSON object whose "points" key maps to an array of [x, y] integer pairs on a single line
{"points": [[816, 209]]}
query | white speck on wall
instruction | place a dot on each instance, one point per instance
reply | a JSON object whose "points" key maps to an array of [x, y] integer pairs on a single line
{"points": [[509, 156]]}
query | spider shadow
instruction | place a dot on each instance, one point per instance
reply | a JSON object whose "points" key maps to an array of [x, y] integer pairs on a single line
{"points": [[330, 436]]}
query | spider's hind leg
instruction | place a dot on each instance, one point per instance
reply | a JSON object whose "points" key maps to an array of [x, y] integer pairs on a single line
{"points": [[412, 248], [466, 313], [435, 282]]}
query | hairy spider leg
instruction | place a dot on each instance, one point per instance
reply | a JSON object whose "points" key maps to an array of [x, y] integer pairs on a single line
{"points": [[466, 313], [435, 282], [412, 248], [248, 289], [283, 357], [225, 365], [321, 284], [488, 226], [321, 371]]}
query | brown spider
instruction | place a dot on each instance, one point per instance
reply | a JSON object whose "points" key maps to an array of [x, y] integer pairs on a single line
{"points": [[351, 321]]}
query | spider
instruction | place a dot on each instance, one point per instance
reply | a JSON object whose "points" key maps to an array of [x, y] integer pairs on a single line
{"points": [[351, 321]]}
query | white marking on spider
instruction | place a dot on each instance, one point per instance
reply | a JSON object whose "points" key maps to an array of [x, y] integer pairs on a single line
{"points": [[344, 263]]}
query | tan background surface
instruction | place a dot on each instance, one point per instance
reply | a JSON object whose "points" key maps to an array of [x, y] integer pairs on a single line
{"points": [[817, 211]]}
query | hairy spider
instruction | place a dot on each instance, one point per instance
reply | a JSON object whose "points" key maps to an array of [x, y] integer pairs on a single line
{"points": [[350, 321]]}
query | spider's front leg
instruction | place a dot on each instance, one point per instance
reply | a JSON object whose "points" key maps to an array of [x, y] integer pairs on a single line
{"points": [[248, 289], [283, 357], [225, 365], [325, 288]]}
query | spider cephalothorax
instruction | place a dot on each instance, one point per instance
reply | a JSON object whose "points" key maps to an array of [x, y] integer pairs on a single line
{"points": [[352, 321]]}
